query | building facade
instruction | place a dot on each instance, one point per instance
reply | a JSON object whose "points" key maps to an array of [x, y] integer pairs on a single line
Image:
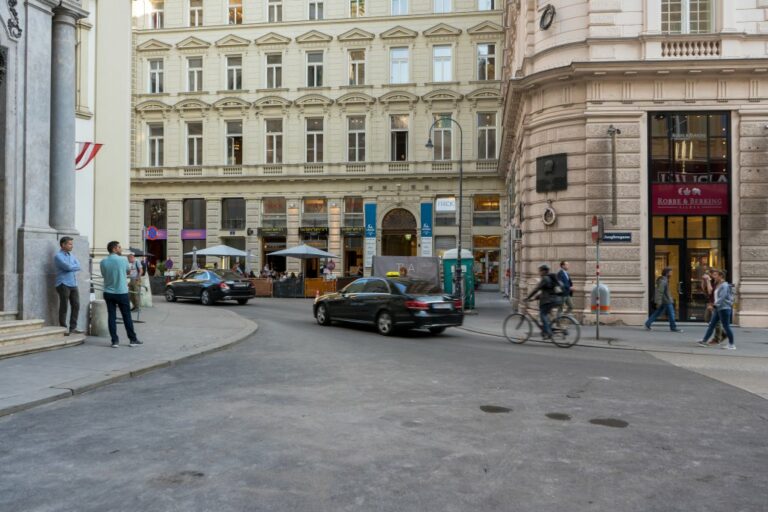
{"points": [[653, 115], [263, 124]]}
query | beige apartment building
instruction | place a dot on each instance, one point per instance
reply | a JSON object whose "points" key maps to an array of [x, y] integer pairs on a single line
{"points": [[654, 115], [264, 124]]}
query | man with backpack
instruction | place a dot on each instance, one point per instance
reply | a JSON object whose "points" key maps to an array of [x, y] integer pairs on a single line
{"points": [[663, 301], [550, 292], [723, 309]]}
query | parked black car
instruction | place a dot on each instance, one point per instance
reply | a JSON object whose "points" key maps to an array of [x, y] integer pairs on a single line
{"points": [[210, 286], [391, 303]]}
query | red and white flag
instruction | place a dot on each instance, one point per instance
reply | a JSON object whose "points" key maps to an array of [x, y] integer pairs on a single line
{"points": [[86, 151]]}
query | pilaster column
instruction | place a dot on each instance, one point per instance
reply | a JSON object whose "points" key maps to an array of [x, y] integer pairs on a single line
{"points": [[62, 194], [652, 16]]}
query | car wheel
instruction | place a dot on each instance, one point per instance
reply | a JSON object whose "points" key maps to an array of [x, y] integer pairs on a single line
{"points": [[384, 324], [437, 330], [170, 295], [242, 302], [322, 316], [206, 298]]}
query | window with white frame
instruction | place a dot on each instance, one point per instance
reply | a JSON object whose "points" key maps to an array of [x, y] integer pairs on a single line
{"points": [[442, 137], [156, 76], [356, 138], [274, 141], [195, 13], [687, 16], [486, 62], [314, 139], [442, 63], [234, 72], [274, 11], [274, 70], [235, 12], [195, 143], [486, 5], [356, 67], [398, 125], [398, 58], [194, 74], [486, 135], [156, 144], [443, 5], [314, 69], [399, 7], [234, 143], [356, 8], [157, 14], [315, 9]]}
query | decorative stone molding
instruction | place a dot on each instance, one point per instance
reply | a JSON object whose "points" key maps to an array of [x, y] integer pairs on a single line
{"points": [[442, 95], [356, 35], [399, 32], [2, 65], [153, 45], [153, 107], [232, 41], [314, 36], [442, 30], [193, 43], [355, 98], [272, 102], [313, 100], [191, 106], [485, 29], [273, 39], [14, 24], [399, 97], [485, 94]]}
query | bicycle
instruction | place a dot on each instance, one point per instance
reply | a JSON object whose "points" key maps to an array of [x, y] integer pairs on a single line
{"points": [[518, 328]]}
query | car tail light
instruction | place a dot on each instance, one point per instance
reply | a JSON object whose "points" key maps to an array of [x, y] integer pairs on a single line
{"points": [[224, 286], [457, 303], [416, 304]]}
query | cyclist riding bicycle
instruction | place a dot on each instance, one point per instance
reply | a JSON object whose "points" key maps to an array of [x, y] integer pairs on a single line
{"points": [[548, 299]]}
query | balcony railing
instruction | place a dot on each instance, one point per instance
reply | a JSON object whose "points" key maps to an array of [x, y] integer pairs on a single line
{"points": [[274, 221], [233, 224], [690, 46]]}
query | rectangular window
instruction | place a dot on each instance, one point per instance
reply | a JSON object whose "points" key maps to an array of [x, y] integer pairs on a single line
{"points": [[275, 11], [156, 145], [356, 8], [442, 63], [315, 212], [315, 9], [314, 139], [399, 137], [234, 72], [273, 212], [234, 142], [486, 5], [274, 142], [194, 74], [156, 76], [157, 15], [687, 16], [353, 211], [441, 136], [398, 58], [274, 70], [194, 214], [235, 12], [399, 7], [233, 213], [155, 213], [314, 69], [443, 6], [195, 143], [195, 13], [356, 138], [486, 211], [486, 62], [356, 67], [486, 135]]}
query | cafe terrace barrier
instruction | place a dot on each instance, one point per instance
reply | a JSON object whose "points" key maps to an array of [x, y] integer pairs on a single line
{"points": [[314, 285]]}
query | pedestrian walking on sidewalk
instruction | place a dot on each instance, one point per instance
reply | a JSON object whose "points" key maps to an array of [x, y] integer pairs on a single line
{"points": [[134, 281], [115, 269], [565, 279], [663, 301], [723, 309], [708, 287], [66, 284]]}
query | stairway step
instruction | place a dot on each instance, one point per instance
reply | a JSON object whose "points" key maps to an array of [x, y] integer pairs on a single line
{"points": [[15, 338], [40, 345], [20, 325], [6, 316]]}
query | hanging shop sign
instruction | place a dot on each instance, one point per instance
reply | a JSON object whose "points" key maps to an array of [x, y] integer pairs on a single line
{"points": [[193, 234], [353, 230], [309, 230]]}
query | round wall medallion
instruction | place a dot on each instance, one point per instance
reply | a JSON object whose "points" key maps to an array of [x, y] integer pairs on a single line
{"points": [[547, 17], [549, 217]]}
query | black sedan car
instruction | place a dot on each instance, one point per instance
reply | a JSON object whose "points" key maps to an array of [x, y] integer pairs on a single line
{"points": [[210, 286], [389, 304]]}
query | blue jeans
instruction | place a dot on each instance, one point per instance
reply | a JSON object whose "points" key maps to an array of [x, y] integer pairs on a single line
{"points": [[114, 301], [670, 309], [546, 325], [724, 317]]}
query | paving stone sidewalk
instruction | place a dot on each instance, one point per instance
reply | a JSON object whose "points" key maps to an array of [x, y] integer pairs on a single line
{"points": [[170, 332]]}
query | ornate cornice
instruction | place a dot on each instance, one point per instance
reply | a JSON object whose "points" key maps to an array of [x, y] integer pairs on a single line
{"points": [[14, 25]]}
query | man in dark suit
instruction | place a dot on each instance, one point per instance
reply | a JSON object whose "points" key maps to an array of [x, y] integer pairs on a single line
{"points": [[565, 278]]}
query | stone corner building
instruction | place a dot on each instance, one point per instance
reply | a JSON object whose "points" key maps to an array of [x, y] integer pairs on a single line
{"points": [[654, 115]]}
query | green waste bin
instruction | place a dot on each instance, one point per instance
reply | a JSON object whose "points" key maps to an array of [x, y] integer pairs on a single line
{"points": [[467, 263]]}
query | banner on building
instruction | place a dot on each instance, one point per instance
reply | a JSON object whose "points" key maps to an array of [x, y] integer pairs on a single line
{"points": [[426, 229], [681, 199], [370, 233]]}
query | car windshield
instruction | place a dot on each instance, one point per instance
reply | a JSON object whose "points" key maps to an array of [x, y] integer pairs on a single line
{"points": [[416, 287], [227, 275]]}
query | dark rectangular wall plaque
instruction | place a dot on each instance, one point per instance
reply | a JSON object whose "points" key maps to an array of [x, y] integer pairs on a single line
{"points": [[552, 173]]}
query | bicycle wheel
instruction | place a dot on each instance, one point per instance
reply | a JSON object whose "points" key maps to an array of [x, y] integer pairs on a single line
{"points": [[517, 328], [566, 331]]}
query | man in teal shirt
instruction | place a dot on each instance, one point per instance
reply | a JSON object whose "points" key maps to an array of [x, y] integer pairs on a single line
{"points": [[114, 269]]}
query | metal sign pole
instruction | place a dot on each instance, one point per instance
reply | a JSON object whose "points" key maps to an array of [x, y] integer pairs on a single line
{"points": [[597, 324]]}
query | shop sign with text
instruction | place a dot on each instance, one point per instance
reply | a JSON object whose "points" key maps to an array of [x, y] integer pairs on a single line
{"points": [[698, 199], [193, 234]]}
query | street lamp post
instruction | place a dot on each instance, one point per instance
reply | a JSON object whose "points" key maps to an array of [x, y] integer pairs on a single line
{"points": [[458, 282]]}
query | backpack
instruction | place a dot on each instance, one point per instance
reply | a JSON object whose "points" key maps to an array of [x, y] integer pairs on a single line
{"points": [[556, 286]]}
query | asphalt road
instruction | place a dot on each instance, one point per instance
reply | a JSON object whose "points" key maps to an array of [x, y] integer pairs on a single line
{"points": [[308, 418]]}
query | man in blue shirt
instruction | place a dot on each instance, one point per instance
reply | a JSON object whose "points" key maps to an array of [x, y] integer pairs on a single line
{"points": [[66, 284], [114, 269]]}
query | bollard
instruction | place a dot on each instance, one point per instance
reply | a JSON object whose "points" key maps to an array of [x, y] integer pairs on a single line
{"points": [[99, 318]]}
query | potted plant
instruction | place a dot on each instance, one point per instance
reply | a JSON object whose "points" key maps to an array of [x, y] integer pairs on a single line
{"points": [[157, 281]]}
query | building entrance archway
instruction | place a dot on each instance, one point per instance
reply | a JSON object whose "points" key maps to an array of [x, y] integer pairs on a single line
{"points": [[398, 233]]}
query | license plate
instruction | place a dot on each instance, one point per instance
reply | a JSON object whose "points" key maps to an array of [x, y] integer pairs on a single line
{"points": [[241, 285], [442, 305]]}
